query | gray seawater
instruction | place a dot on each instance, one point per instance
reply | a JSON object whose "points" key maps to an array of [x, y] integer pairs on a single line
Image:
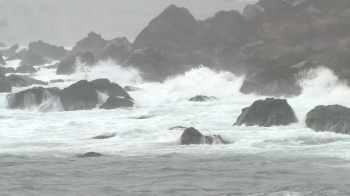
{"points": [[175, 174]]}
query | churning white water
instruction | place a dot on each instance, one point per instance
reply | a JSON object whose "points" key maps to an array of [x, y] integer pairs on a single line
{"points": [[164, 105]]}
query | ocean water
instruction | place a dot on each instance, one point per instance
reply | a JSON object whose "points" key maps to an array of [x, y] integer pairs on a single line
{"points": [[37, 149]]}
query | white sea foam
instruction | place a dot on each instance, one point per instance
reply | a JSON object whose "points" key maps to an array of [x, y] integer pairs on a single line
{"points": [[165, 105]]}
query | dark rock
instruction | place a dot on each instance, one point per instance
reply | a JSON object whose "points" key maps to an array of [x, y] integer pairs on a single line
{"points": [[111, 89], [106, 136], [19, 56], [34, 60], [252, 11], [56, 81], [23, 81], [22, 54], [267, 113], [154, 64], [30, 98], [116, 102], [332, 118], [12, 58], [193, 136], [2, 61], [5, 86], [47, 50], [6, 70], [170, 30], [92, 42], [68, 66], [89, 155], [11, 51], [117, 50], [79, 96], [277, 81], [132, 88], [25, 69], [201, 98]]}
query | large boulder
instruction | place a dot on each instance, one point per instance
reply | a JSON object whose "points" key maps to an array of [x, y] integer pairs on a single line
{"points": [[117, 50], [108, 88], [69, 65], [6, 70], [47, 50], [171, 30], [333, 118], [267, 113], [25, 69], [23, 81], [154, 64], [11, 51], [18, 56], [90, 43], [116, 102], [79, 96], [30, 98], [34, 60], [2, 61], [252, 11], [5, 86], [278, 81], [193, 136]]}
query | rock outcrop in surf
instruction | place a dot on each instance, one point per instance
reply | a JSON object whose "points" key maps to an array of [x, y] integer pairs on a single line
{"points": [[332, 118], [267, 113], [193, 136]]}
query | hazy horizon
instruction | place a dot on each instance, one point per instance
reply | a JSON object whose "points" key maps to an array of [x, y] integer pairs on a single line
{"points": [[65, 22]]}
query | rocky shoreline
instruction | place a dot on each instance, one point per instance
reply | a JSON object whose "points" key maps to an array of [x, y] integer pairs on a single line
{"points": [[273, 43]]}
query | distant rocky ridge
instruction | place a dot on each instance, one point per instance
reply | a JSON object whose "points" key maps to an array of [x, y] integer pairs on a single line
{"points": [[270, 43]]}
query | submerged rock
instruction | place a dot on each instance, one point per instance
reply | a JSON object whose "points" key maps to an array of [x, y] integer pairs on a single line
{"points": [[201, 98], [23, 81], [30, 98], [332, 118], [5, 86], [193, 136], [267, 113], [56, 81], [106, 136], [79, 96], [116, 102], [132, 88], [89, 155], [177, 127]]}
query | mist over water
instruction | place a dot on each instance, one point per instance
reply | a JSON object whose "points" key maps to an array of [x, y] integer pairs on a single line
{"points": [[38, 145]]}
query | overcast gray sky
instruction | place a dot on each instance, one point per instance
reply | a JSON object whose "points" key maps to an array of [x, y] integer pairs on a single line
{"points": [[66, 21]]}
